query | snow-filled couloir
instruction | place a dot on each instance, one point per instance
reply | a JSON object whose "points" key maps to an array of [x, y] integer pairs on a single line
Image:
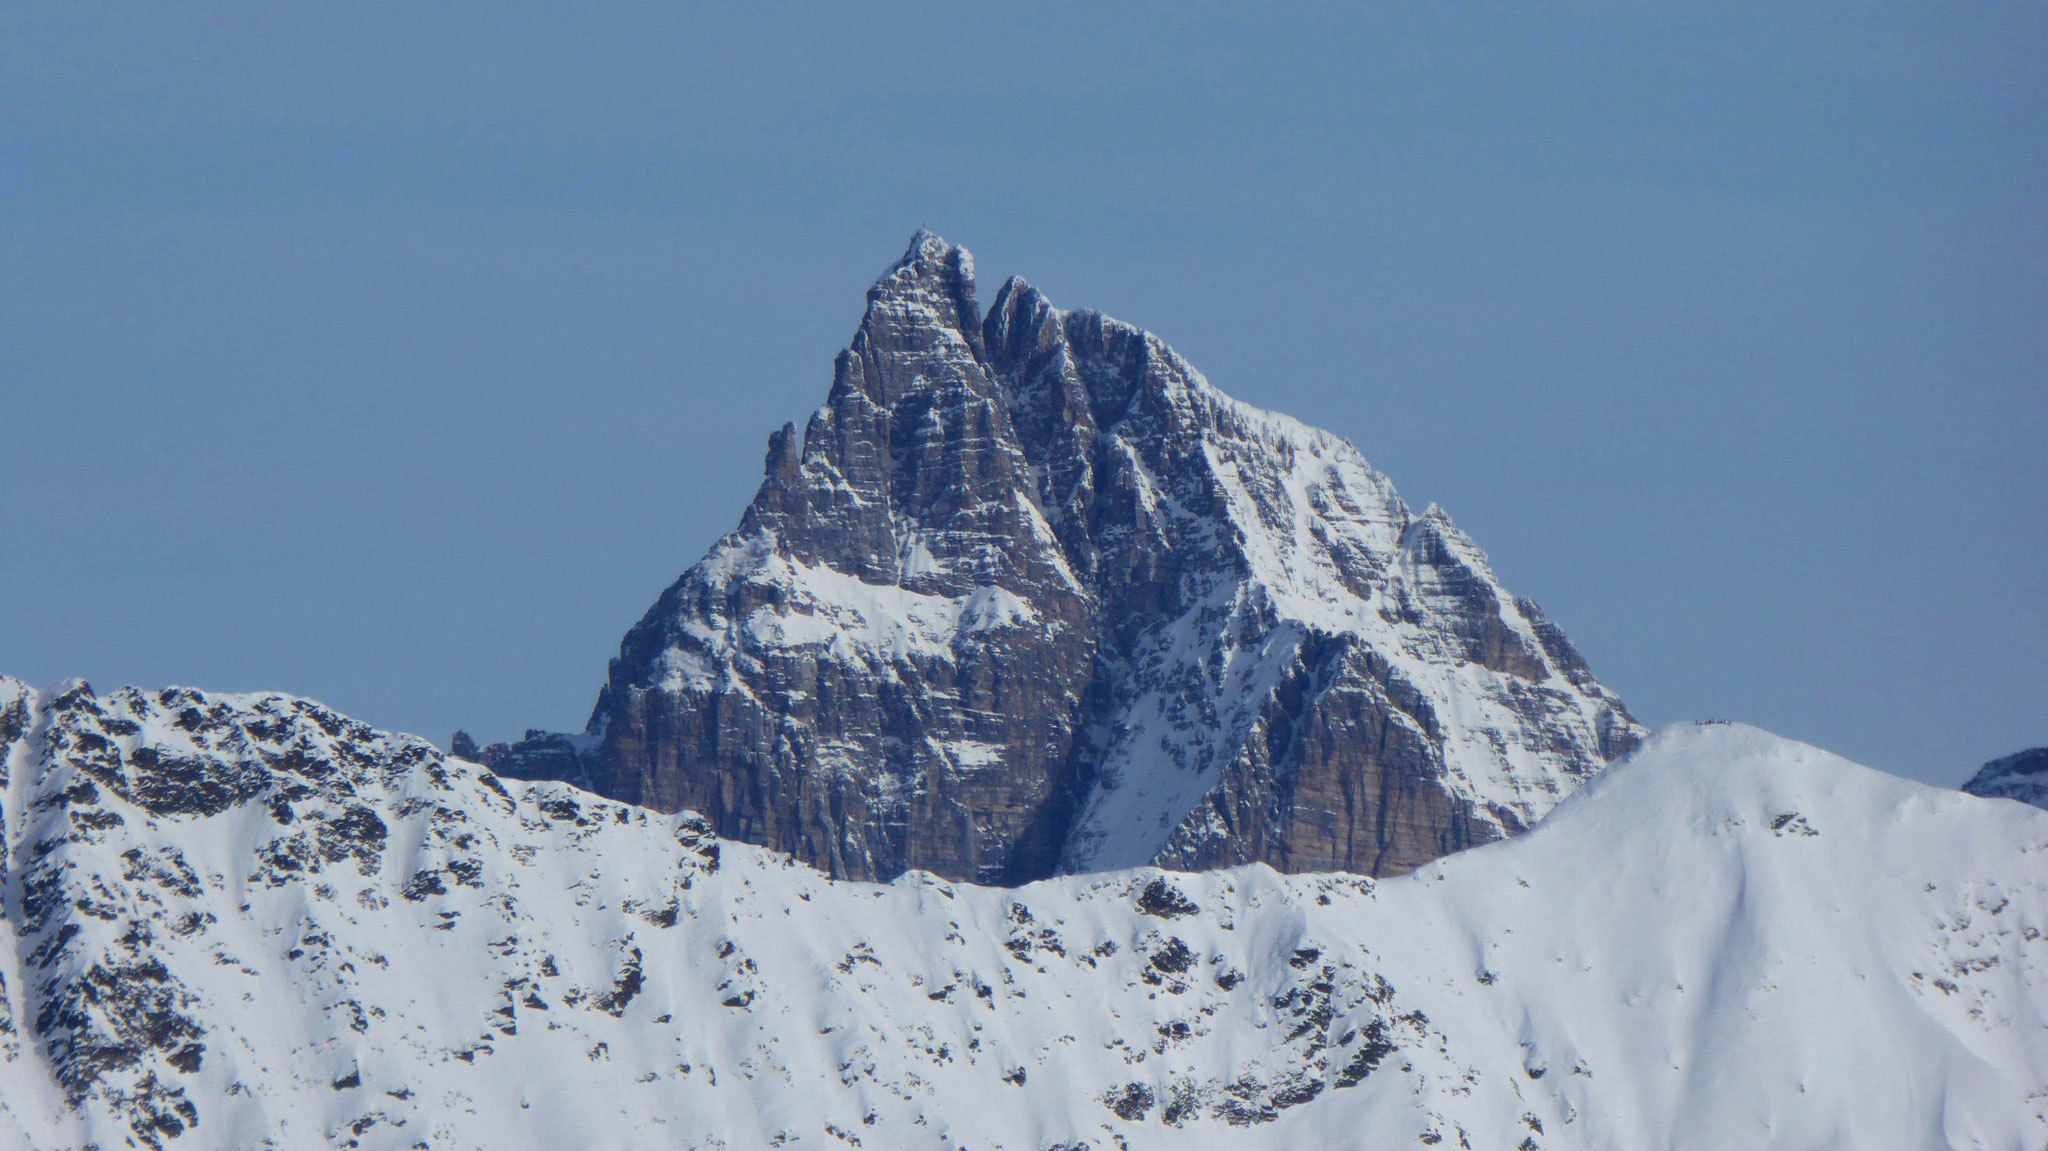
{"points": [[1028, 595], [247, 921]]}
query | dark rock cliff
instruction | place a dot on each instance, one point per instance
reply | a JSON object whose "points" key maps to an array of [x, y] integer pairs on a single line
{"points": [[2022, 776]]}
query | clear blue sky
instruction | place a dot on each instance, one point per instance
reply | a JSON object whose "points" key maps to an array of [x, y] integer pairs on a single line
{"points": [[399, 355]]}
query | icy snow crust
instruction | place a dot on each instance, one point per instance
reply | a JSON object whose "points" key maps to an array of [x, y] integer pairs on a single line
{"points": [[246, 921]]}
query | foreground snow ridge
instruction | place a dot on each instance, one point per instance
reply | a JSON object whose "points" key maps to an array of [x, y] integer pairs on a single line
{"points": [[247, 921]]}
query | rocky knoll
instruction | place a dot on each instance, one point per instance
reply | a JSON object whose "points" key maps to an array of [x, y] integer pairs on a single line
{"points": [[2022, 776], [1028, 595]]}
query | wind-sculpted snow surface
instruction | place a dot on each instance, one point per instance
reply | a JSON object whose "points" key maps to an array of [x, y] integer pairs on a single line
{"points": [[246, 921], [1029, 595]]}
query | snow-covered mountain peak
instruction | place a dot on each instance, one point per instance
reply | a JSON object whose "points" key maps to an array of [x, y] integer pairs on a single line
{"points": [[1726, 775], [1030, 594], [247, 921]]}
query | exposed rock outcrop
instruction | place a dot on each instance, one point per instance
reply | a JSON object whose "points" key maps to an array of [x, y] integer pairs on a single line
{"points": [[2022, 776]]}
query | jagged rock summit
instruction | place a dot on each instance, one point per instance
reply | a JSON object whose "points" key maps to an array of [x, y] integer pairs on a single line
{"points": [[2022, 776], [1028, 596]]}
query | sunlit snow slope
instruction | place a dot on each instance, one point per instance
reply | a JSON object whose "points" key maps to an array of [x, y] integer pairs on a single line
{"points": [[245, 921]]}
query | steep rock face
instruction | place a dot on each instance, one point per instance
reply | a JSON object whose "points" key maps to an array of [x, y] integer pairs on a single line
{"points": [[2022, 776], [1030, 595], [882, 668]]}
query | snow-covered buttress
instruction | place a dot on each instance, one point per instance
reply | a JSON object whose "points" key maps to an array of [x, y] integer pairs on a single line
{"points": [[1027, 596], [246, 921]]}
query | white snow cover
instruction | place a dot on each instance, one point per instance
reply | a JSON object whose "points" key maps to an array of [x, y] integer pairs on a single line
{"points": [[831, 612], [1327, 546], [1729, 940]]}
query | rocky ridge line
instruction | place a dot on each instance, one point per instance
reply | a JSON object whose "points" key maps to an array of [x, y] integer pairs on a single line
{"points": [[2022, 776], [247, 921]]}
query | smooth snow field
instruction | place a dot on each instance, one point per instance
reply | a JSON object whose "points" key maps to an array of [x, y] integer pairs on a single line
{"points": [[337, 937]]}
